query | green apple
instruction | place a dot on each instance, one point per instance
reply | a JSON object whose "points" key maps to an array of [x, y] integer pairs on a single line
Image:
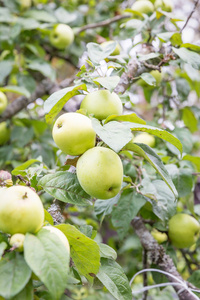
{"points": [[183, 230], [160, 237], [166, 5], [3, 102], [102, 103], [143, 7], [100, 172], [21, 210], [61, 36], [73, 133], [17, 240], [4, 133], [157, 75], [145, 138], [117, 48], [60, 234], [25, 4]]}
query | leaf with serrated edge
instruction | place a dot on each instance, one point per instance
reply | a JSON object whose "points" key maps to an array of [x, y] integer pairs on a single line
{"points": [[126, 118], [84, 251]]}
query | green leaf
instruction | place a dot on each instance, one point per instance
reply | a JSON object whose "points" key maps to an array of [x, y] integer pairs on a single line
{"points": [[195, 278], [114, 134], [97, 53], [109, 83], [26, 293], [107, 252], [64, 16], [121, 216], [144, 57], [113, 278], [14, 274], [36, 49], [193, 47], [20, 170], [57, 100], [189, 57], [3, 247], [126, 118], [5, 67], [176, 39], [65, 187], [48, 218], [16, 89], [148, 153], [84, 251], [148, 78], [40, 15], [104, 207], [47, 256], [194, 159], [43, 67], [189, 119]]}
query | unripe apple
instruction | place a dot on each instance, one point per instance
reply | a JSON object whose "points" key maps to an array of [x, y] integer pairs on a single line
{"points": [[60, 234], [17, 240], [100, 172], [4, 133], [21, 210], [183, 230], [166, 5], [117, 48], [3, 102], [73, 133], [145, 138], [25, 4], [160, 237], [143, 7], [61, 36], [102, 103]]}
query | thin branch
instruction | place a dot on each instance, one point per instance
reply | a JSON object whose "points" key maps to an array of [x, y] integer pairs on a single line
{"points": [[190, 15], [145, 266]]}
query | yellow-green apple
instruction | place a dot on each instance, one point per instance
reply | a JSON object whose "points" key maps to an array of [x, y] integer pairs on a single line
{"points": [[166, 5], [4, 133], [61, 36], [183, 230], [73, 133], [143, 7], [102, 103], [145, 138], [25, 4], [60, 234], [3, 102], [160, 237], [21, 210], [17, 241], [100, 172], [117, 48]]}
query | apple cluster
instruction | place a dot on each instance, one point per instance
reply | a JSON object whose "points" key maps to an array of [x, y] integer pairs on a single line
{"points": [[149, 6], [99, 169]]}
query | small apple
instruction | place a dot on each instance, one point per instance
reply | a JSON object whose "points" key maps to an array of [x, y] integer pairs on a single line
{"points": [[102, 103], [165, 5], [3, 102], [183, 230], [117, 48], [60, 234], [61, 36], [4, 133], [143, 7], [157, 75], [145, 138], [25, 4], [100, 172], [160, 237], [73, 133], [21, 210], [17, 240]]}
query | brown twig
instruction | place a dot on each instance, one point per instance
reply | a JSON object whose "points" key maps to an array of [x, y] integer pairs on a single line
{"points": [[190, 15], [145, 266]]}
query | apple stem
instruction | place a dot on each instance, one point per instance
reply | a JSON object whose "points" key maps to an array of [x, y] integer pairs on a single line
{"points": [[25, 196]]}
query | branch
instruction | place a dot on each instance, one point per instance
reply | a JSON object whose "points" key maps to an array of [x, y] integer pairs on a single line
{"points": [[160, 258], [190, 15]]}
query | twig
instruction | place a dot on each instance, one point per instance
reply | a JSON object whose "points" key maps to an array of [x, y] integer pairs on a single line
{"points": [[190, 15], [145, 266]]}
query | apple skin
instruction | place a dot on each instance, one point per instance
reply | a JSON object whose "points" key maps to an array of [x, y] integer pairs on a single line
{"points": [[183, 230], [61, 36], [3, 102], [21, 210], [100, 172], [17, 240], [73, 133], [143, 7], [117, 48], [165, 5], [145, 138], [4, 133], [60, 234], [25, 4], [102, 103], [160, 237]]}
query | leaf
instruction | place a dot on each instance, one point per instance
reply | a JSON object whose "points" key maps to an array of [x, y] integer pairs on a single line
{"points": [[3, 247], [84, 251], [48, 218], [148, 78], [47, 256], [189, 119], [114, 134], [40, 15], [194, 159], [148, 153], [5, 67], [64, 16], [113, 278], [65, 187], [107, 252], [43, 67], [109, 83], [16, 89], [14, 274], [193, 47], [26, 293], [57, 100], [145, 57], [121, 216], [126, 118], [104, 207], [97, 53], [195, 278], [20, 170], [189, 57]]}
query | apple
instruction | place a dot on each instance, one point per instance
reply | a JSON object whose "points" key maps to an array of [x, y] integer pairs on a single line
{"points": [[61, 36], [4, 133], [73, 133], [160, 237], [25, 4], [145, 138], [157, 75], [117, 48], [60, 234], [3, 102], [166, 5], [143, 7], [100, 172], [21, 210], [102, 103], [183, 230], [17, 240]]}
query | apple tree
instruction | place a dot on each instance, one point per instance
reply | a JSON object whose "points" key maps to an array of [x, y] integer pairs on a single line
{"points": [[99, 127]]}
